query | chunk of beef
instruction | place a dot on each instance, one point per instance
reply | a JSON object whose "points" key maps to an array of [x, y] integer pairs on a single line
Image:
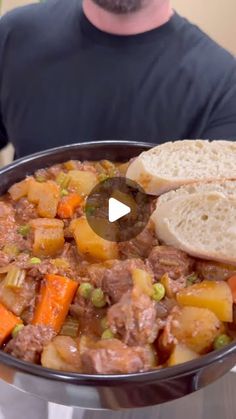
{"points": [[89, 316], [65, 265], [9, 228], [70, 255], [27, 314], [117, 280], [214, 271], [7, 224], [43, 174], [140, 246], [5, 259], [35, 271], [24, 211], [134, 319], [114, 357], [6, 211], [93, 272], [173, 286], [53, 171], [164, 308], [29, 343], [81, 307], [167, 259], [114, 277], [78, 165]]}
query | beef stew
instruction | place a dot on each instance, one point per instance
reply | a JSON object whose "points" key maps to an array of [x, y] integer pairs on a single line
{"points": [[133, 307]]}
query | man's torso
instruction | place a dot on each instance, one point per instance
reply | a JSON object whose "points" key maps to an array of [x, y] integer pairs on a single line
{"points": [[63, 81]]}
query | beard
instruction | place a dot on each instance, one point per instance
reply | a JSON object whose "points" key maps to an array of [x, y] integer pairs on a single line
{"points": [[120, 6]]}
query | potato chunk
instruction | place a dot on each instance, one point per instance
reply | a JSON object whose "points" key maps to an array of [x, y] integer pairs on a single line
{"points": [[20, 189], [48, 236], [90, 244], [181, 354], [82, 181], [48, 242], [46, 195], [62, 354], [194, 327], [216, 296], [142, 282]]}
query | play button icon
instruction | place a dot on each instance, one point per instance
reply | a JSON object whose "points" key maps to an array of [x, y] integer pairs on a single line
{"points": [[118, 209]]}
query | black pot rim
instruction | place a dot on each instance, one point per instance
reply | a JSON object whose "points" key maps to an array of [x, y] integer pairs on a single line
{"points": [[114, 379], [75, 146]]}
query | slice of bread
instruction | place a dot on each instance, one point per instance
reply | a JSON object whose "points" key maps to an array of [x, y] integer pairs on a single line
{"points": [[227, 188], [173, 164], [201, 224]]}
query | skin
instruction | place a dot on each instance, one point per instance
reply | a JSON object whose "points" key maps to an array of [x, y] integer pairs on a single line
{"points": [[127, 17]]}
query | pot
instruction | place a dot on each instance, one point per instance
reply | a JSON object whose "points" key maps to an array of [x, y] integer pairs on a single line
{"points": [[105, 391]]}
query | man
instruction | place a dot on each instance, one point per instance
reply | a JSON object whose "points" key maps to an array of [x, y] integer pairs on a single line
{"points": [[110, 69]]}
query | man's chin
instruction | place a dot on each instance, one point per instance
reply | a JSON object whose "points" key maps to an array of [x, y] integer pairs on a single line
{"points": [[119, 6]]}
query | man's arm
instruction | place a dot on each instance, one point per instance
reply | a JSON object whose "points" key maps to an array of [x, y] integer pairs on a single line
{"points": [[3, 134], [3, 36], [222, 121]]}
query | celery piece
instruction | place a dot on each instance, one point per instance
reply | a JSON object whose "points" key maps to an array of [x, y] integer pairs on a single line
{"points": [[15, 278], [102, 177], [60, 263], [63, 180], [11, 249], [192, 279], [70, 327], [16, 330], [107, 334]]}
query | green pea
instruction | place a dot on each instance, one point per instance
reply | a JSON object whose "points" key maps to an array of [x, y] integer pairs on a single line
{"points": [[107, 334], [16, 330], [102, 177], [98, 298], [221, 341], [35, 261], [40, 179], [158, 292], [85, 290], [64, 192], [24, 230], [90, 209], [192, 279]]}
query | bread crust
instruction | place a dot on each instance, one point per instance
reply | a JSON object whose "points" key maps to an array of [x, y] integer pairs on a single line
{"points": [[144, 170]]}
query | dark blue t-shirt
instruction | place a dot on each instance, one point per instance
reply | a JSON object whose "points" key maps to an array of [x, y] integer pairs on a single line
{"points": [[64, 81]]}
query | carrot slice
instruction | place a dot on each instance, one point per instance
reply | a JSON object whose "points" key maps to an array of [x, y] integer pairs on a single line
{"points": [[55, 298], [232, 284], [7, 324], [68, 204]]}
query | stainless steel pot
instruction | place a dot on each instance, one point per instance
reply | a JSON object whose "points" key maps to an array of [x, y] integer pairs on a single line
{"points": [[105, 391]]}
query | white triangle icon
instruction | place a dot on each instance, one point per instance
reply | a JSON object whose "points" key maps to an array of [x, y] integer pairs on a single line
{"points": [[117, 210]]}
